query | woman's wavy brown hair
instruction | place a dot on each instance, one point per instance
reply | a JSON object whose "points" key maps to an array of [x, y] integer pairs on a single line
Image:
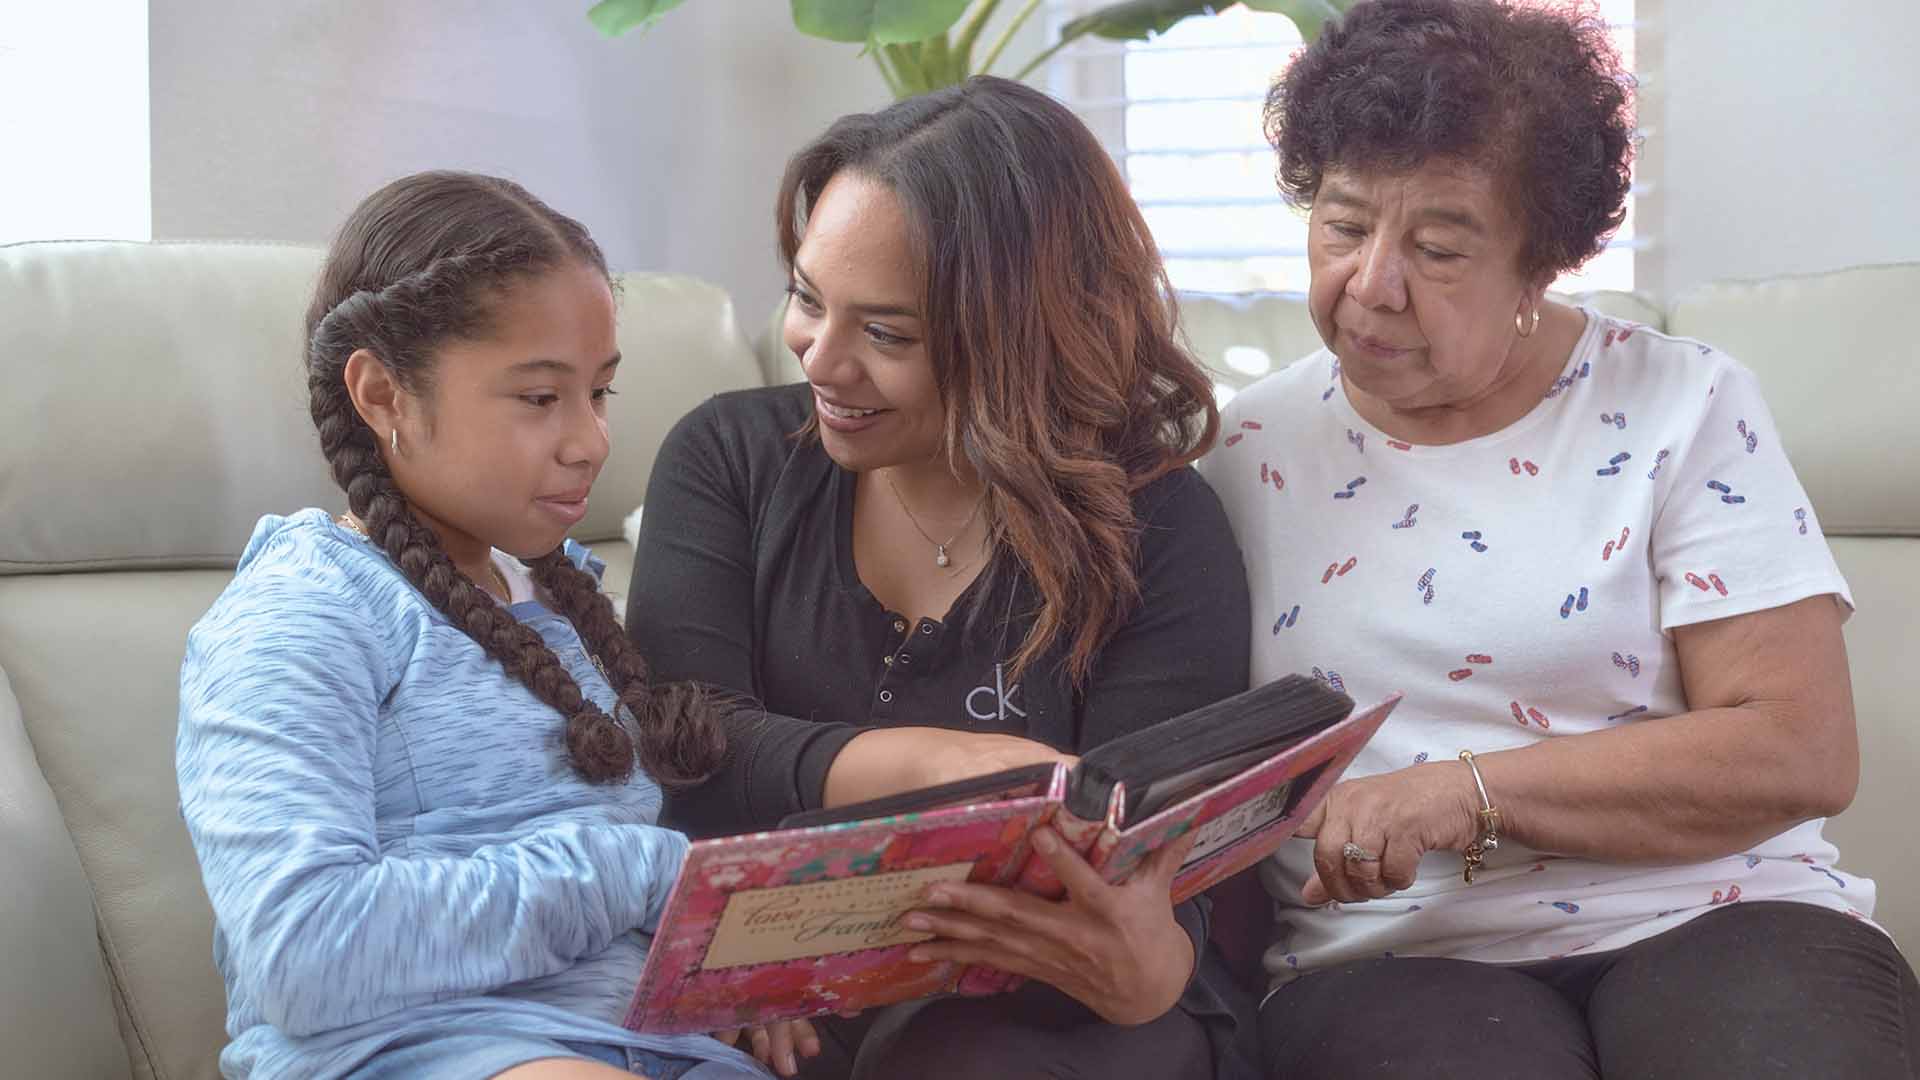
{"points": [[1052, 331], [1533, 93], [420, 263]]}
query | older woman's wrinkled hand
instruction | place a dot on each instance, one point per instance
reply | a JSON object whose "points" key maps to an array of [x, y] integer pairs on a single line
{"points": [[1116, 949], [1392, 820]]}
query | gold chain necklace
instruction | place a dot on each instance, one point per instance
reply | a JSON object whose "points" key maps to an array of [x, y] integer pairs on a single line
{"points": [[939, 549], [348, 521]]}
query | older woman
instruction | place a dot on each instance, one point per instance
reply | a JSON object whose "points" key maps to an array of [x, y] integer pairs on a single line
{"points": [[1590, 841]]}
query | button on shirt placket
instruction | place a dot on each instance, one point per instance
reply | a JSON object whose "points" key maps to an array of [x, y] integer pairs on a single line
{"points": [[892, 663], [898, 663]]}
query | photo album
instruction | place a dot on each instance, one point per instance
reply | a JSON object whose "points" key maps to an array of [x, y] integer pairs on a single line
{"points": [[807, 919]]}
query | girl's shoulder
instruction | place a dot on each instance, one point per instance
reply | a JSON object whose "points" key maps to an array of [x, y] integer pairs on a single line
{"points": [[310, 545], [306, 568]]}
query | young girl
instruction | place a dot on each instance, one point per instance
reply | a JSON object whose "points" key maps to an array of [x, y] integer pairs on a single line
{"points": [[419, 760]]}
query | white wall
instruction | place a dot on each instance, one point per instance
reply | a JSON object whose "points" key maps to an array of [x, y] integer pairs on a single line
{"points": [[1787, 138], [270, 120], [73, 121]]}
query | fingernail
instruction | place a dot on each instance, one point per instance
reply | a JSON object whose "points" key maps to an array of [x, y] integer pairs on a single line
{"points": [[1043, 839], [918, 956], [919, 922], [940, 898]]}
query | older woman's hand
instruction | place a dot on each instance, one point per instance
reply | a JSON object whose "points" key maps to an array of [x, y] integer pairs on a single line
{"points": [[1394, 818], [1114, 948]]}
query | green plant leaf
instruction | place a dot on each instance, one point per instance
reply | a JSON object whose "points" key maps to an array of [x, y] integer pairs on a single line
{"points": [[880, 22], [1309, 15], [1137, 20], [616, 17]]}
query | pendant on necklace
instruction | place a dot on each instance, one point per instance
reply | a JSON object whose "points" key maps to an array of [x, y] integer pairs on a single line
{"points": [[940, 555]]}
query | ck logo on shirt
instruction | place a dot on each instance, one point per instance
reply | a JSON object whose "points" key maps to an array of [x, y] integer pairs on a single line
{"points": [[996, 701]]}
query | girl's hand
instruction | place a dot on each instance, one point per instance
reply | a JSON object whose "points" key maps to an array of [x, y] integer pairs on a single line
{"points": [[1395, 817], [1114, 948], [776, 1044]]}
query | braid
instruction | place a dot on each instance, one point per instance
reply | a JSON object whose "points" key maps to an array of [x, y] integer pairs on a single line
{"points": [[405, 275], [679, 737], [598, 746]]}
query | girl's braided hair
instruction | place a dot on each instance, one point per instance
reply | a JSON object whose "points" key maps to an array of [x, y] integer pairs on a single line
{"points": [[420, 263]]}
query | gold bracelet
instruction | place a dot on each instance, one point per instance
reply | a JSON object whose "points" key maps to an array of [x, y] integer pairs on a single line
{"points": [[1489, 837]]}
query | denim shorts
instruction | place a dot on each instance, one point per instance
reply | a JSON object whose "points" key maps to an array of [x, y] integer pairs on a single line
{"points": [[468, 1056]]}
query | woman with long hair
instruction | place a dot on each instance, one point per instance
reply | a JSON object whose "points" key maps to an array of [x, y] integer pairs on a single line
{"points": [[969, 538]]}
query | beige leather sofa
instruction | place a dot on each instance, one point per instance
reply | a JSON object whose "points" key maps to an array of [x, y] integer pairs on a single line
{"points": [[152, 406]]}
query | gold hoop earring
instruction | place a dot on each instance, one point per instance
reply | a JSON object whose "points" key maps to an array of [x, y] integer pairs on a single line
{"points": [[393, 440], [1529, 327]]}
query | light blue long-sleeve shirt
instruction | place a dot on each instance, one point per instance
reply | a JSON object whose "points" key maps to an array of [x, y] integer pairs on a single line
{"points": [[388, 827]]}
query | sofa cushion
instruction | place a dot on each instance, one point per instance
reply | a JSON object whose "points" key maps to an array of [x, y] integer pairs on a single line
{"points": [[1241, 338], [778, 365], [95, 662], [56, 1006], [167, 386], [165, 403], [1835, 355], [1875, 835]]}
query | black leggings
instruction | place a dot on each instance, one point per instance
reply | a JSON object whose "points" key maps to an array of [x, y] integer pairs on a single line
{"points": [[1035, 1031], [1751, 990]]}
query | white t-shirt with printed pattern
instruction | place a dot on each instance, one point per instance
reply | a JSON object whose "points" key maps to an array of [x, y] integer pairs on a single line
{"points": [[1520, 587]]}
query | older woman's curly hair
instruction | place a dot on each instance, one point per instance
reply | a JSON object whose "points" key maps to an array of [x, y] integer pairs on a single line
{"points": [[1533, 94]]}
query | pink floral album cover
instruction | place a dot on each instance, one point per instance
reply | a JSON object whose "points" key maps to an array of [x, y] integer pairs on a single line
{"points": [[784, 924]]}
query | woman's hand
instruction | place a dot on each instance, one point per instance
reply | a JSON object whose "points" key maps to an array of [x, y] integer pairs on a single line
{"points": [[957, 755], [1114, 948], [1396, 818], [885, 761], [776, 1044]]}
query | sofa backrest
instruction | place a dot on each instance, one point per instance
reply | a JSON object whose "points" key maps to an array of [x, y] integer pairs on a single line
{"points": [[153, 408], [1836, 356]]}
